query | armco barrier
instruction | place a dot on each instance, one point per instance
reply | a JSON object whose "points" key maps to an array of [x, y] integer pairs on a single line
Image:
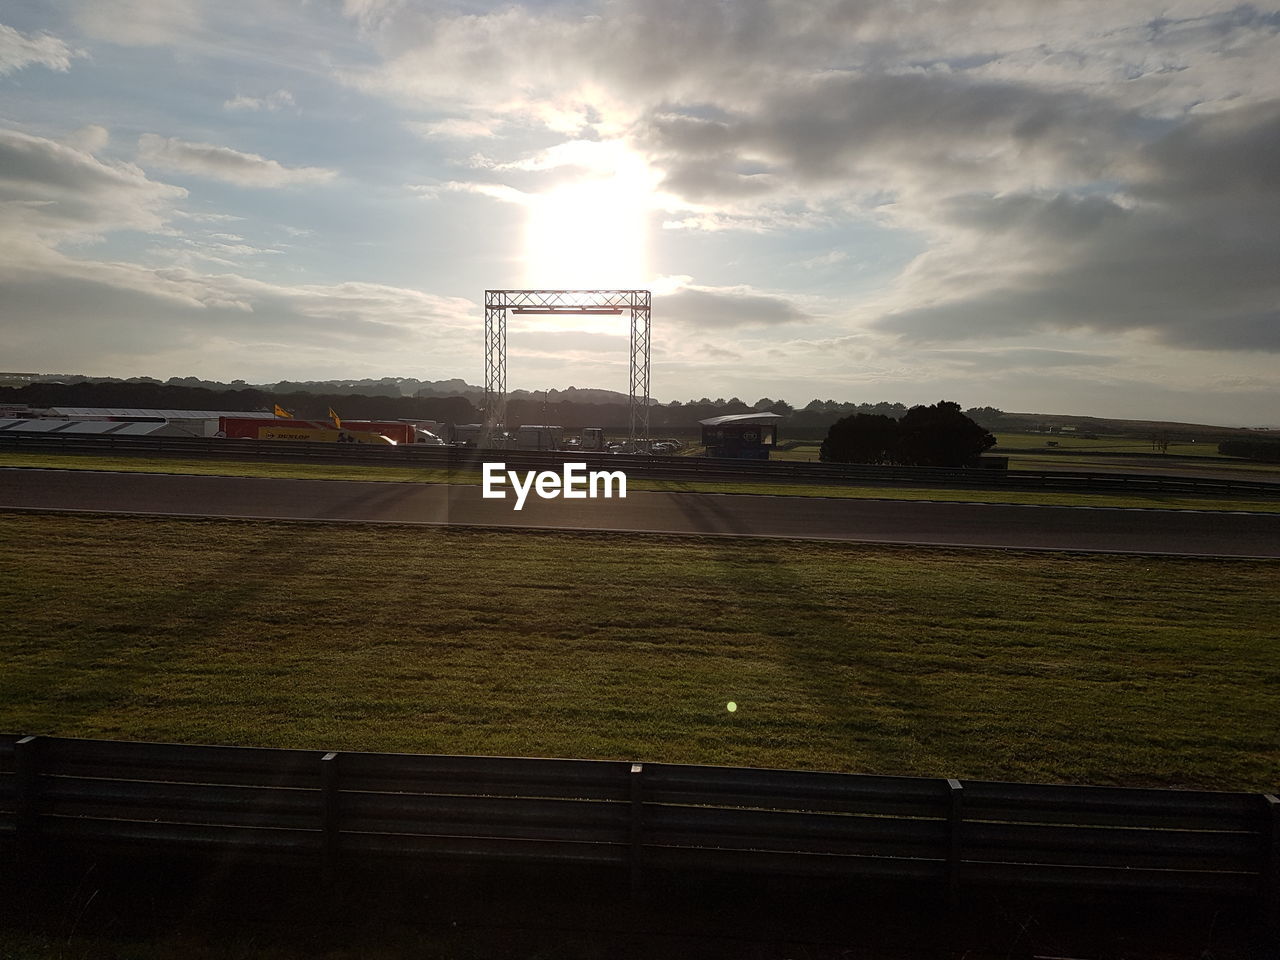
{"points": [[91, 797], [676, 469]]}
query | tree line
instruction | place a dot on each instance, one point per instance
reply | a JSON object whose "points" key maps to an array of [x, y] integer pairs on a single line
{"points": [[1268, 451]]}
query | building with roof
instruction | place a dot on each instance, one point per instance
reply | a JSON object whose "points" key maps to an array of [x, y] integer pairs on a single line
{"points": [[142, 413], [741, 436], [121, 421], [102, 428]]}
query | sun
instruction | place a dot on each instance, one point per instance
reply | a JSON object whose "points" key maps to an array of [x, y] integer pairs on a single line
{"points": [[589, 234]]}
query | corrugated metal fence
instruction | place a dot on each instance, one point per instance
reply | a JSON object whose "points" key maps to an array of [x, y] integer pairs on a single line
{"points": [[98, 797]]}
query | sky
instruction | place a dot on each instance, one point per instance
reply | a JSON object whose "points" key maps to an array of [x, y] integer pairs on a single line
{"points": [[1061, 207]]}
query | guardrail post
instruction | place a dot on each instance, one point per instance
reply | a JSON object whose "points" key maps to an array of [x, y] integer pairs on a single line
{"points": [[955, 817], [329, 817], [637, 825], [26, 765], [1271, 876]]}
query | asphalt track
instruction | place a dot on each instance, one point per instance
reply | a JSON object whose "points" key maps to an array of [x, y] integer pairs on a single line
{"points": [[1014, 526]]}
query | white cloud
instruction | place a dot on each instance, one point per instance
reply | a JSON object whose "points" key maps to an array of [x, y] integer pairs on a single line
{"points": [[454, 128], [53, 193], [18, 50], [494, 191], [89, 139], [223, 163], [271, 102], [139, 23], [828, 259]]}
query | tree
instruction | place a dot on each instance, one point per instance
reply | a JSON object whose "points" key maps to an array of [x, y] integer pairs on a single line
{"points": [[1266, 450], [939, 436], [765, 405], [989, 417], [862, 438], [936, 436]]}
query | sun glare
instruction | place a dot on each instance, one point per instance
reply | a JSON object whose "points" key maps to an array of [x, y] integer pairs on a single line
{"points": [[589, 234]]}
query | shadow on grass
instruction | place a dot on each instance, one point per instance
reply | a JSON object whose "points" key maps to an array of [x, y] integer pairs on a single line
{"points": [[150, 628]]}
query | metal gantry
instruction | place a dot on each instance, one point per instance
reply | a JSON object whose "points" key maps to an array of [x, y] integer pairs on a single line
{"points": [[566, 303]]}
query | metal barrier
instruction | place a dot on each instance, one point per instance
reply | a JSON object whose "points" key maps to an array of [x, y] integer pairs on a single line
{"points": [[675, 469], [89, 797]]}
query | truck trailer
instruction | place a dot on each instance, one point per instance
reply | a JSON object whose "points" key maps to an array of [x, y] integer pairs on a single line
{"points": [[280, 428]]}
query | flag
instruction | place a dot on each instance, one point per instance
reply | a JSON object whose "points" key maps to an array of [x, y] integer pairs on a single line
{"points": [[282, 412], [334, 417]]}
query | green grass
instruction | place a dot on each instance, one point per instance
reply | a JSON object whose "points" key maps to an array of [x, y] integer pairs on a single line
{"points": [[1032, 451], [1150, 501], [1029, 451], [803, 452], [317, 471], [1100, 669], [1138, 446], [1149, 463]]}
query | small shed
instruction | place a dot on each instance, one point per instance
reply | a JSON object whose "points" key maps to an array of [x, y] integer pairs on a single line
{"points": [[741, 436]]}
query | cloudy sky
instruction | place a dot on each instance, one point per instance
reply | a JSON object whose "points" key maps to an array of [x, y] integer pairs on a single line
{"points": [[1067, 207]]}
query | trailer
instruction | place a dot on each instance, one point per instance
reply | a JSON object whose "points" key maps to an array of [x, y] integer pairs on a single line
{"points": [[401, 431], [310, 431], [539, 437], [398, 431]]}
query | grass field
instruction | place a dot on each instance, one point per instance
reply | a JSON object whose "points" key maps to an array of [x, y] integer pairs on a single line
{"points": [[801, 451], [1045, 667], [318, 471], [1006, 442], [1076, 442]]}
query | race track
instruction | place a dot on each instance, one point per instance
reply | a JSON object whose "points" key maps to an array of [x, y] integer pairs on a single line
{"points": [[877, 521]]}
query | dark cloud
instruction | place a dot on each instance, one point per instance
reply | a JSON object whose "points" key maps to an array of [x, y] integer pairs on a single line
{"points": [[1018, 358], [1187, 250], [726, 308], [924, 126], [715, 179], [1228, 156]]}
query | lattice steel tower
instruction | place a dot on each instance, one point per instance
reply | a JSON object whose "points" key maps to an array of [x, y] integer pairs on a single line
{"points": [[561, 303]]}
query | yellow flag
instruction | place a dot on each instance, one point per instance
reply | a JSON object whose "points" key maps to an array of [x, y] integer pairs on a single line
{"points": [[334, 417], [282, 412]]}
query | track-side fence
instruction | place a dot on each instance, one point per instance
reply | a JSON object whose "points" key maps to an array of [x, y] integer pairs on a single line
{"points": [[63, 796], [676, 469]]}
